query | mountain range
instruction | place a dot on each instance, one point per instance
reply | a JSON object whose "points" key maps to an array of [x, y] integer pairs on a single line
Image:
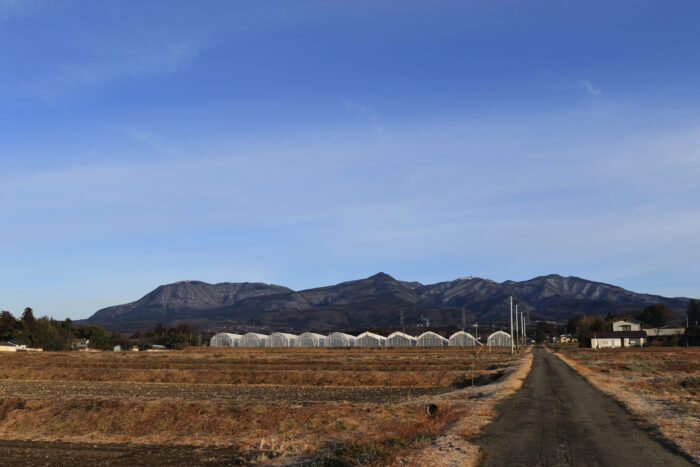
{"points": [[374, 302]]}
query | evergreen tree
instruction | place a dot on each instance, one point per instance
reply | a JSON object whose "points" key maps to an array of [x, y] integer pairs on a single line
{"points": [[8, 326], [99, 339], [657, 315], [47, 336], [693, 314]]}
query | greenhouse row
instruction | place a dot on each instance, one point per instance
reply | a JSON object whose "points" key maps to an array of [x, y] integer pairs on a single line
{"points": [[366, 339]]}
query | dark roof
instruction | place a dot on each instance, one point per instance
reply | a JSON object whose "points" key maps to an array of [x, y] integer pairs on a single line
{"points": [[614, 334]]}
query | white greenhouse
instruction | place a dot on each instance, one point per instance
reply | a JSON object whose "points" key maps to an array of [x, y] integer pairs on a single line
{"points": [[280, 339], [310, 339], [463, 339], [368, 339], [430, 339], [340, 339], [224, 339], [499, 339], [252, 340], [399, 339]]}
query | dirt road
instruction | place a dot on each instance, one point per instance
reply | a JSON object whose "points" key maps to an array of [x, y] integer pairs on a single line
{"points": [[558, 419]]}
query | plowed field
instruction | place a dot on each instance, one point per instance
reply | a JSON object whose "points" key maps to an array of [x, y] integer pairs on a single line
{"points": [[232, 405]]}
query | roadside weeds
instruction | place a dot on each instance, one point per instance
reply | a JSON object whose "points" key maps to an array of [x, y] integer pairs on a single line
{"points": [[455, 446]]}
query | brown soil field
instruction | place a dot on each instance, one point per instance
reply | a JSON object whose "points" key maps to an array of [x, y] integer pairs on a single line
{"points": [[309, 367], [660, 384], [265, 406]]}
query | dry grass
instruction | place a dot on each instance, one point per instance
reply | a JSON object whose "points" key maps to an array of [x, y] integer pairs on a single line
{"points": [[311, 367], [660, 384], [478, 408], [268, 429]]}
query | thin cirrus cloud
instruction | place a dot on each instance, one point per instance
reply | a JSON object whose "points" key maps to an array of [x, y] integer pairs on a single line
{"points": [[17, 8], [106, 63], [150, 140], [587, 86], [85, 46], [547, 212], [368, 113]]}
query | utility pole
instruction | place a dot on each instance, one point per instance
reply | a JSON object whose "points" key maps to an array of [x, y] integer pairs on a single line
{"points": [[595, 337], [512, 350], [516, 325], [476, 330], [522, 316], [402, 326]]}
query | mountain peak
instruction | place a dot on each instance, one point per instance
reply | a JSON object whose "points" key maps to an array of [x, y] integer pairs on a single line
{"points": [[382, 276]]}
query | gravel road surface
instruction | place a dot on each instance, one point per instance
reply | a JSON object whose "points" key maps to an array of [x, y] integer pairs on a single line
{"points": [[558, 419]]}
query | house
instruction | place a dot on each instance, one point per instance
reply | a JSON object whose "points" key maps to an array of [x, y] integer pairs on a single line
{"points": [[627, 324], [617, 339], [626, 333], [566, 339], [80, 344]]}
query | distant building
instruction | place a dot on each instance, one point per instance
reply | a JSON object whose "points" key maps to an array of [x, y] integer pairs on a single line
{"points": [[627, 324], [617, 339], [566, 339], [664, 332], [80, 344], [8, 347], [499, 339]]}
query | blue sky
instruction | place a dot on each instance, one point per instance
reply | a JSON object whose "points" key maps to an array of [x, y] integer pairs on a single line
{"points": [[305, 143]]}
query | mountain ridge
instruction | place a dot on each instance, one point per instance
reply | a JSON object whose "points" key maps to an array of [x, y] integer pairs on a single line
{"points": [[370, 302]]}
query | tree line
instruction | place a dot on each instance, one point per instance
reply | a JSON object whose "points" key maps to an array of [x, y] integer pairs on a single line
{"points": [[50, 334]]}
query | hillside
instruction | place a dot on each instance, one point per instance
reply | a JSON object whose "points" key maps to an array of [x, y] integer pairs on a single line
{"points": [[371, 302]]}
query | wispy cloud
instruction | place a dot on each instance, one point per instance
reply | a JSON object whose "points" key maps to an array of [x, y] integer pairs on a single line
{"points": [[16, 8], [106, 62], [153, 141], [367, 112], [589, 88]]}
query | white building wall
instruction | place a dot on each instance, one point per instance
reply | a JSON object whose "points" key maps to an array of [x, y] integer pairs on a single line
{"points": [[224, 339], [499, 339], [280, 339], [368, 339], [310, 339], [252, 340], [462, 339], [431, 339], [399, 339], [627, 325], [340, 339]]}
